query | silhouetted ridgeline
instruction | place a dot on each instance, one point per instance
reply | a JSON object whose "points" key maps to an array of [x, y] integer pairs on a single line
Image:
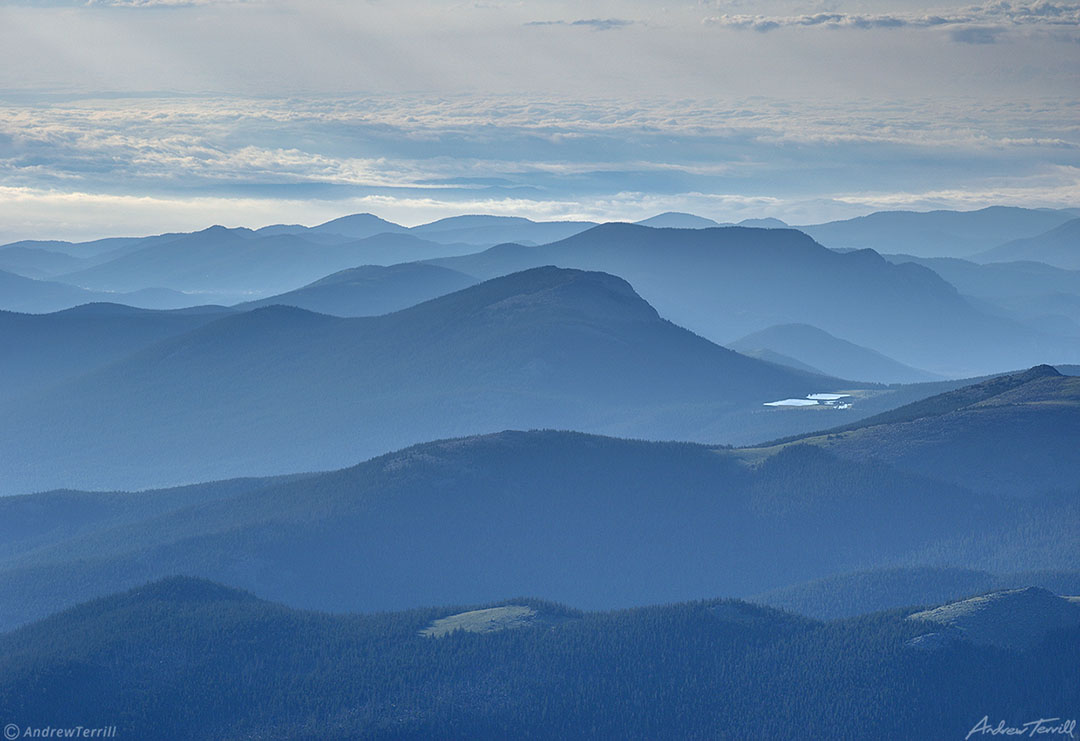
{"points": [[829, 355], [938, 233], [1059, 247]]}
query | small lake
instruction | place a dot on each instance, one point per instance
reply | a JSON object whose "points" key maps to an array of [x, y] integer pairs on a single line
{"points": [[833, 401]]}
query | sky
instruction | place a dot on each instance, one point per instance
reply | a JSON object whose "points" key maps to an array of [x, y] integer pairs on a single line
{"points": [[143, 116]]}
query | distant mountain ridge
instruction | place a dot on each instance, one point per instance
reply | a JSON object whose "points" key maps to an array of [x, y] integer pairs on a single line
{"points": [[279, 389], [724, 283], [489, 230], [370, 290], [359, 226], [1059, 247], [32, 296], [677, 220], [233, 261], [1030, 291], [58, 347], [833, 356], [937, 233], [280, 258], [33, 262], [778, 358]]}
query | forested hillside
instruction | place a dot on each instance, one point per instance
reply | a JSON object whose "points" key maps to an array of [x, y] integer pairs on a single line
{"points": [[1013, 435], [591, 521], [185, 659]]}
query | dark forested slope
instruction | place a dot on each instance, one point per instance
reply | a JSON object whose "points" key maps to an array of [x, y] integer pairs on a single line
{"points": [[1013, 435], [596, 522], [186, 659]]}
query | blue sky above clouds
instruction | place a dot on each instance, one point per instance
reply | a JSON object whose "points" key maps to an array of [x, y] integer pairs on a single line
{"points": [[136, 116]]}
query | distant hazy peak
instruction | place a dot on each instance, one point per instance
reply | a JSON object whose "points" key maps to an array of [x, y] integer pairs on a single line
{"points": [[800, 327], [594, 293], [217, 230], [363, 272], [1059, 247], [789, 243], [358, 226], [677, 220], [103, 308], [471, 221], [766, 223], [356, 219], [550, 276]]}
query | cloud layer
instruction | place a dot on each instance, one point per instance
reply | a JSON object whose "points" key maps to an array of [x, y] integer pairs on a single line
{"points": [[252, 160], [971, 24], [596, 108]]}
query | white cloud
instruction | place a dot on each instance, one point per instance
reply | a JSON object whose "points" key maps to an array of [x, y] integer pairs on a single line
{"points": [[971, 24], [76, 215], [1057, 187], [78, 166]]}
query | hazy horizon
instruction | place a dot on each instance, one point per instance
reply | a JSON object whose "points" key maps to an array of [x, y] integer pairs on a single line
{"points": [[138, 117]]}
